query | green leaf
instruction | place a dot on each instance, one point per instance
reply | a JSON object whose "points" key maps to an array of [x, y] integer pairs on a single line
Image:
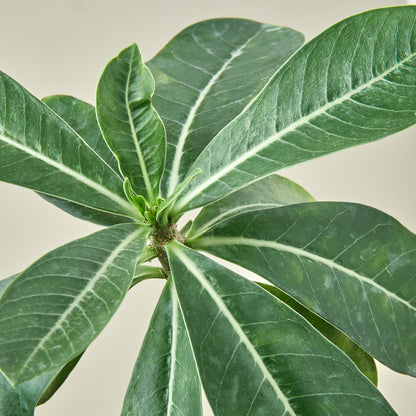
{"points": [[56, 307], [352, 84], [165, 379], [144, 272], [256, 356], [361, 359], [130, 124], [40, 151], [206, 75], [348, 263], [58, 380], [21, 400], [270, 192], [81, 117]]}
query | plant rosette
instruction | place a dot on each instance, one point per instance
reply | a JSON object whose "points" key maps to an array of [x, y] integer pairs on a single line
{"points": [[190, 129]]}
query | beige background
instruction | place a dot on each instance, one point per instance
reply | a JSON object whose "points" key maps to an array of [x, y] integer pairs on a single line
{"points": [[61, 46]]}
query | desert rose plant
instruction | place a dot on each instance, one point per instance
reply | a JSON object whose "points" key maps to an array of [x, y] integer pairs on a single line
{"points": [[206, 124]]}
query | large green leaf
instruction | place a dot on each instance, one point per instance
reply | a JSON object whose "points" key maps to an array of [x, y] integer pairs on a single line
{"points": [[361, 359], [54, 309], [165, 379], [40, 151], [130, 124], [204, 78], [270, 192], [256, 356], [81, 117], [353, 84], [21, 400], [350, 264]]}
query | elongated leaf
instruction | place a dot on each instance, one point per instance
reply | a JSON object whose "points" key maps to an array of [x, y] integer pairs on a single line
{"points": [[56, 307], [21, 400], [270, 192], [353, 84], [350, 264], [58, 380], [130, 124], [256, 356], [204, 78], [361, 359], [165, 379], [40, 151], [144, 272], [81, 117]]}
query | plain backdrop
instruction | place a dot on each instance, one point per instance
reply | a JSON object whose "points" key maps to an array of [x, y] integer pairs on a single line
{"points": [[62, 46]]}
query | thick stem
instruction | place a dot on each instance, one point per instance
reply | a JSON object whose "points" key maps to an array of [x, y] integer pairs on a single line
{"points": [[159, 238]]}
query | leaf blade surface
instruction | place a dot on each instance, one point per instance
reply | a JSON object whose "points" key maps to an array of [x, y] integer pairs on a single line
{"points": [[355, 83], [56, 307], [234, 325], [202, 82], [348, 263], [165, 379], [41, 152], [130, 124]]}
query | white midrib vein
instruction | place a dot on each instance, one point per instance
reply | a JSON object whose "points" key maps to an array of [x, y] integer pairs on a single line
{"points": [[142, 162], [192, 268], [174, 345], [181, 203], [77, 300], [231, 212], [101, 189], [174, 176], [252, 242]]}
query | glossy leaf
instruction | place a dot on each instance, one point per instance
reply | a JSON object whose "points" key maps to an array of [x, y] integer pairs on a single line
{"points": [[20, 400], [56, 307], [206, 75], [165, 379], [40, 151], [350, 264], [144, 272], [361, 359], [270, 192], [58, 380], [256, 356], [130, 124], [352, 84], [81, 117]]}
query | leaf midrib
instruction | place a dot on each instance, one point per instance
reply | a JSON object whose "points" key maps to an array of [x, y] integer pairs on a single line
{"points": [[77, 175], [77, 300], [278, 136], [192, 268], [252, 242], [174, 345], [174, 174]]}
